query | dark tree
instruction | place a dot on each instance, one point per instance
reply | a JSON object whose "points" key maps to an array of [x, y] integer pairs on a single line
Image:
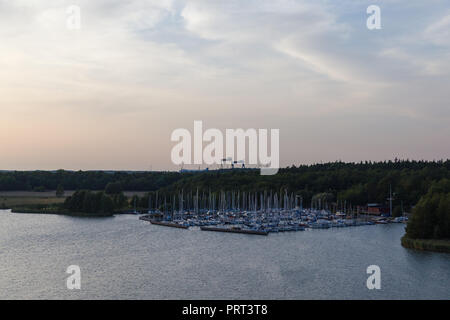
{"points": [[431, 216], [113, 188], [60, 191]]}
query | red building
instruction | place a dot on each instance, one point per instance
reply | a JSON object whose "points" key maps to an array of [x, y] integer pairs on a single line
{"points": [[377, 209]]}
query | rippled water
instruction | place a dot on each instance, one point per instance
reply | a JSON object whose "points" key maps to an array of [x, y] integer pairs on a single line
{"points": [[125, 258]]}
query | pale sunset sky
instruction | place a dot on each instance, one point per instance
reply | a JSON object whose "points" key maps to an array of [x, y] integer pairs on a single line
{"points": [[109, 95]]}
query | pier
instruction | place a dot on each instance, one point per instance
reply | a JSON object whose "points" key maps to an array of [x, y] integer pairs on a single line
{"points": [[164, 223], [235, 230]]}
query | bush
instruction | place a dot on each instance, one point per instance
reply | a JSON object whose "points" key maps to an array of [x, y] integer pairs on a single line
{"points": [[431, 216], [89, 202], [113, 188]]}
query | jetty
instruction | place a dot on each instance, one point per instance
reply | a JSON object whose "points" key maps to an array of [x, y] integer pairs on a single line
{"points": [[235, 230], [164, 223]]}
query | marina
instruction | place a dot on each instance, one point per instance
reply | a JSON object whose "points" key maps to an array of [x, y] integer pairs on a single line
{"points": [[258, 213]]}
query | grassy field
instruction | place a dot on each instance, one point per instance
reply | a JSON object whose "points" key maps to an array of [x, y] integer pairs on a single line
{"points": [[9, 202], [31, 194], [9, 199]]}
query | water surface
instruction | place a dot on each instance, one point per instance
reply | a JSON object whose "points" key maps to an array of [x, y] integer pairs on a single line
{"points": [[125, 258]]}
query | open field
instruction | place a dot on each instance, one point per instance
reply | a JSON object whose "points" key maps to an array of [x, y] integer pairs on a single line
{"points": [[10, 199], [32, 194], [46, 194], [8, 202]]}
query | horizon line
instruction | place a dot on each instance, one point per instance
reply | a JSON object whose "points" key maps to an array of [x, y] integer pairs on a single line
{"points": [[238, 168]]}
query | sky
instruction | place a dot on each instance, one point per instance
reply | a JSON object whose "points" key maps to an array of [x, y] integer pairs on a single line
{"points": [[109, 95]]}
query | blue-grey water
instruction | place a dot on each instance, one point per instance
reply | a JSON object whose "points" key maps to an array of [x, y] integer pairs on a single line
{"points": [[125, 258]]}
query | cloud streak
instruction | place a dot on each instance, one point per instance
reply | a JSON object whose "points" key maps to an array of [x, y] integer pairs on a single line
{"points": [[148, 67]]}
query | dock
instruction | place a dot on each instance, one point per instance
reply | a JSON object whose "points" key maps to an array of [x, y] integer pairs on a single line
{"points": [[164, 223], [235, 230]]}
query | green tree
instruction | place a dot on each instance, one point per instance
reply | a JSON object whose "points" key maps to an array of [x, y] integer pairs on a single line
{"points": [[89, 202], [60, 191], [113, 188], [120, 200], [431, 215], [397, 212]]}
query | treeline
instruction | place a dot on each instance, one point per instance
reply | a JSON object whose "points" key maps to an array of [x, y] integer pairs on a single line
{"points": [[84, 201], [89, 180], [431, 216], [353, 183]]}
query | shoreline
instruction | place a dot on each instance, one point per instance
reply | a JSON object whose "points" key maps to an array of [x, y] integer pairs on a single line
{"points": [[434, 245], [60, 212]]}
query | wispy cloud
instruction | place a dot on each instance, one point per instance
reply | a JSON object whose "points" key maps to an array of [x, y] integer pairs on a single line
{"points": [[149, 66]]}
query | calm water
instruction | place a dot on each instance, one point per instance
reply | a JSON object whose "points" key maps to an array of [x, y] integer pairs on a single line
{"points": [[125, 258]]}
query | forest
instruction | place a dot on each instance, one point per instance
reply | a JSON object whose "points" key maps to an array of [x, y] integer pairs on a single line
{"points": [[431, 218], [355, 183]]}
